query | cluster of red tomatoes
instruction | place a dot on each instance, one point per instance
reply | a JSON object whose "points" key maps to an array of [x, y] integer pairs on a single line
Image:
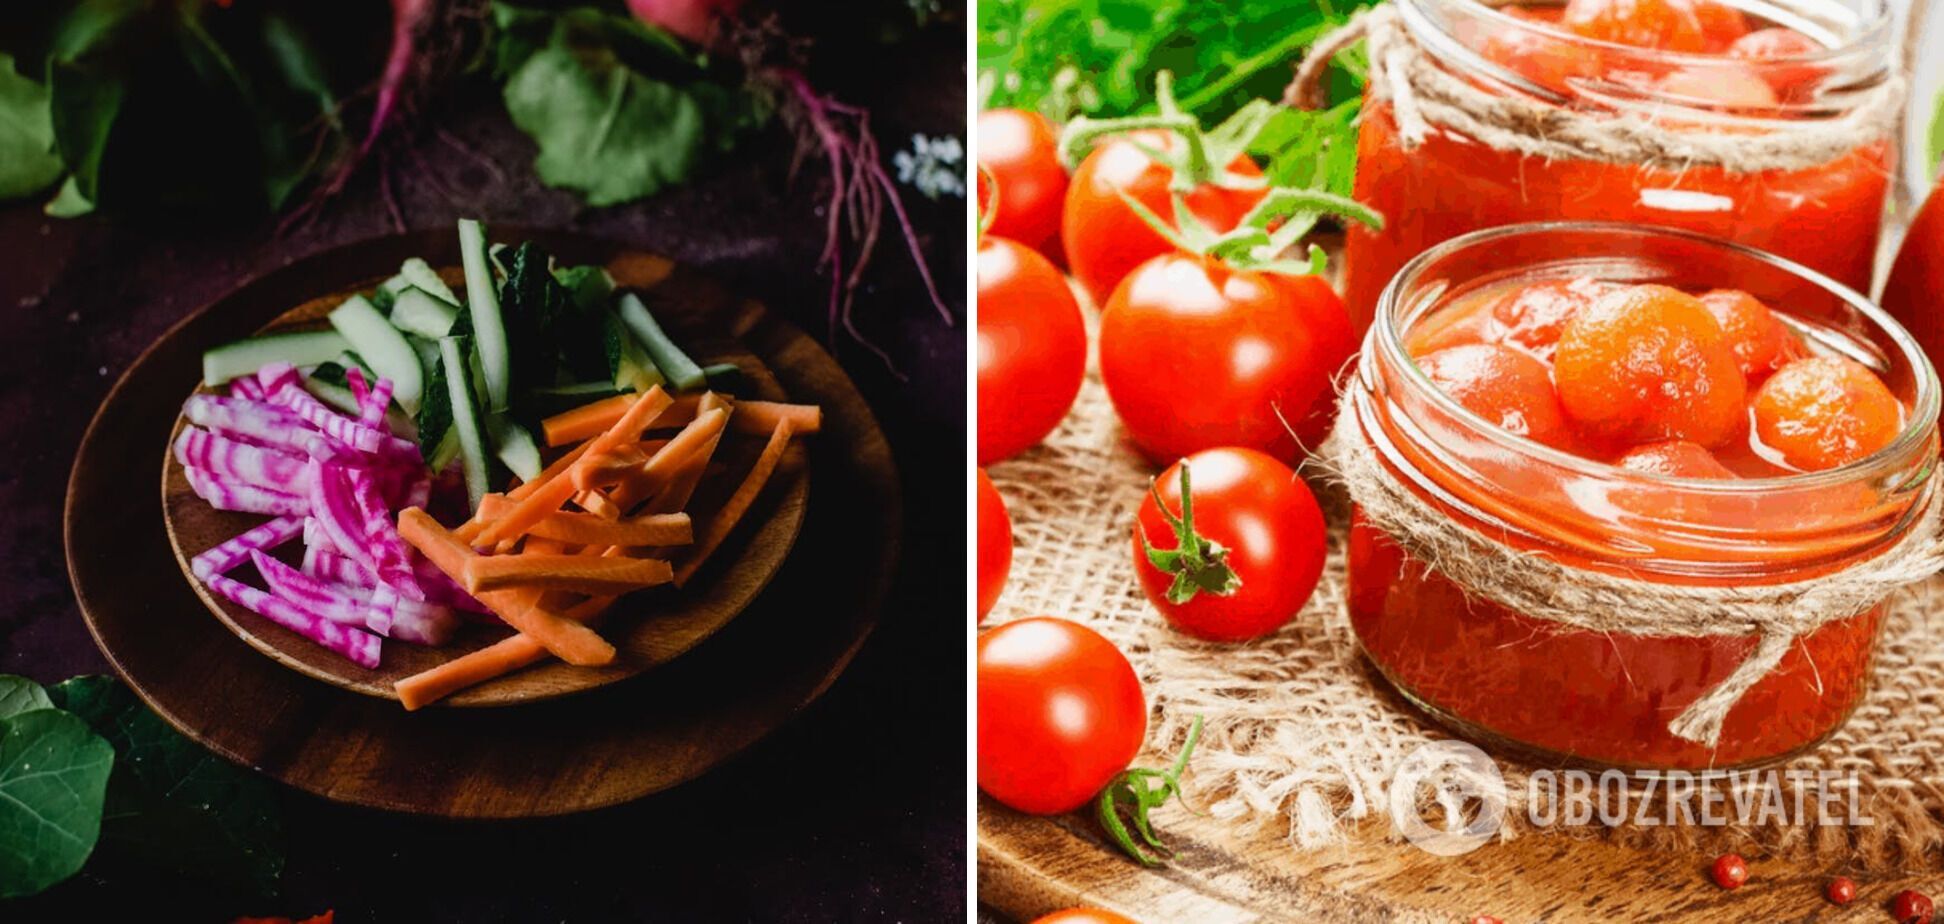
{"points": [[1221, 374]]}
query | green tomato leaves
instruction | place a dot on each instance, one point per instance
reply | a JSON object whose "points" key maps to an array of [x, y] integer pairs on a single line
{"points": [[53, 774], [28, 163], [617, 110]]}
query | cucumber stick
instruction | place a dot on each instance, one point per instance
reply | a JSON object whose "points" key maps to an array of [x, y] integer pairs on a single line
{"points": [[514, 446], [416, 311], [669, 358], [446, 451], [383, 347], [628, 363], [245, 357], [420, 275], [489, 329], [465, 416]]}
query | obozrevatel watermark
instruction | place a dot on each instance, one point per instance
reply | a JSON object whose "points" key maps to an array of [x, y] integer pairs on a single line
{"points": [[1461, 783]]}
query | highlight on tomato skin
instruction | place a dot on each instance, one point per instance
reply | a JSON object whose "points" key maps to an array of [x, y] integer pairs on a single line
{"points": [[1084, 916], [1104, 240], [1675, 459], [1060, 713], [1032, 348], [1825, 411], [1021, 150], [1196, 355], [1258, 541], [1667, 25]]}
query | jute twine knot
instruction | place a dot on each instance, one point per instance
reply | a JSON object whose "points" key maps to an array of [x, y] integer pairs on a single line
{"points": [[1538, 587], [1425, 97]]}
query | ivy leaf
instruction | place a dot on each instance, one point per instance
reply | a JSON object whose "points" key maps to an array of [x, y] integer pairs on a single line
{"points": [[612, 135], [27, 159], [53, 772], [173, 804], [18, 695]]}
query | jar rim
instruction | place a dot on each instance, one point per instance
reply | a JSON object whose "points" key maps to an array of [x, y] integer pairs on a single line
{"points": [[1387, 334], [1868, 42]]}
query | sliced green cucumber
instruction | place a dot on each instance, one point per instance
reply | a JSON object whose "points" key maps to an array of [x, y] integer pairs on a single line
{"points": [[444, 452], [628, 363], [591, 285], [674, 364], [489, 329], [515, 447], [245, 357], [416, 311], [384, 347], [453, 358], [420, 275], [588, 390]]}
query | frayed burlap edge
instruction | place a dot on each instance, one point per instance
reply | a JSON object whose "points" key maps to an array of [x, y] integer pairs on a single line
{"points": [[1300, 735]]}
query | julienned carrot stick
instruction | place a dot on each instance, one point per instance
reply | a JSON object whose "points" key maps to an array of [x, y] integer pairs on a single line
{"points": [[603, 469], [569, 641], [549, 473], [718, 527], [756, 418], [586, 421], [591, 529], [548, 495], [666, 461], [682, 483], [503, 657], [578, 573]]}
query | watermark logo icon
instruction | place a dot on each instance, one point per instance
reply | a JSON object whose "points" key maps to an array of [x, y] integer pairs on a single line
{"points": [[1454, 780]]}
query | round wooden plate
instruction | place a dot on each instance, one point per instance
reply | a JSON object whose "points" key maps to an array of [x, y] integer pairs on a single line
{"points": [[647, 628], [592, 750]]}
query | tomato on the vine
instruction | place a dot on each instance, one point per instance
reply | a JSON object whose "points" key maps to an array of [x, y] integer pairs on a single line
{"points": [[1105, 239], [1022, 152], [1060, 714], [995, 544], [1197, 354], [1229, 544], [1032, 348]]}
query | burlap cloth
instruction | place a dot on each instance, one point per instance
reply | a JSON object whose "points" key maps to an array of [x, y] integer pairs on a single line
{"points": [[1300, 732]]}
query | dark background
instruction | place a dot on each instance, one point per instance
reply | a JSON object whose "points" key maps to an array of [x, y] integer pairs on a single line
{"points": [[853, 812]]}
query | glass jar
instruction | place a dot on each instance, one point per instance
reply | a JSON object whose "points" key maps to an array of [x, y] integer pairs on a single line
{"points": [[1821, 205], [1606, 699]]}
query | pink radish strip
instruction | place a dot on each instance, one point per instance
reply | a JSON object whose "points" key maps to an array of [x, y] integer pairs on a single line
{"points": [[337, 426], [418, 493], [246, 387], [258, 420], [356, 644], [415, 620], [330, 566], [243, 498], [274, 376], [236, 461], [223, 557], [337, 518], [393, 556], [316, 597], [371, 408], [360, 390]]}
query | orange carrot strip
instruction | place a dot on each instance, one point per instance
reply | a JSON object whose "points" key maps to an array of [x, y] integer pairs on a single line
{"points": [[550, 494], [664, 463], [569, 641], [586, 421], [593, 530], [757, 418], [603, 469], [718, 527], [578, 573], [597, 503], [548, 474], [682, 484], [498, 659]]}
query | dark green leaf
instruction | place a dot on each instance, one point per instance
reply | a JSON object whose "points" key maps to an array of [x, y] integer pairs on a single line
{"points": [[19, 694], [611, 135], [68, 202], [28, 163], [171, 802], [53, 773]]}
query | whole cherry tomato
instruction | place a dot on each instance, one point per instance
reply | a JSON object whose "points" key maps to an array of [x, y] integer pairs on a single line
{"points": [[1243, 559], [1060, 714], [1105, 239], [995, 544], [1022, 152], [1084, 916], [1032, 348], [1196, 354]]}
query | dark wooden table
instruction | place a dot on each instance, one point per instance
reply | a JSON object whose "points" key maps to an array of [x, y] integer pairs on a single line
{"points": [[855, 812]]}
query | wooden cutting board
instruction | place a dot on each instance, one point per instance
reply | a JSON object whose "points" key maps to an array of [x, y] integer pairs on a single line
{"points": [[1224, 873]]}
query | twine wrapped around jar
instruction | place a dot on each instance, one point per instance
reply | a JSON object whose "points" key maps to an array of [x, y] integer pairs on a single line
{"points": [[1427, 97], [1540, 588]]}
